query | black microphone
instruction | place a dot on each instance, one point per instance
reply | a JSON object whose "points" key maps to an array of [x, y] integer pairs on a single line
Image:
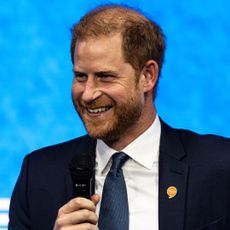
{"points": [[82, 173]]}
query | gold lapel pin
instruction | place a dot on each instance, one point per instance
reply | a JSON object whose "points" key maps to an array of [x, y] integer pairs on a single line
{"points": [[171, 192]]}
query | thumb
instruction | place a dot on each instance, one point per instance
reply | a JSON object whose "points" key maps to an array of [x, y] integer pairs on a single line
{"points": [[95, 198]]}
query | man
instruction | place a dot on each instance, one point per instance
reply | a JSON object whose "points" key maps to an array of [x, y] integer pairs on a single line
{"points": [[175, 179]]}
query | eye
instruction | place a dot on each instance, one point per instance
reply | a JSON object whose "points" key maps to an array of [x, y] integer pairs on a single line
{"points": [[105, 77], [80, 77]]}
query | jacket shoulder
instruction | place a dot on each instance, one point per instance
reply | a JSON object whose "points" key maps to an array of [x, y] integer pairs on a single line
{"points": [[191, 136], [63, 151], [195, 145]]}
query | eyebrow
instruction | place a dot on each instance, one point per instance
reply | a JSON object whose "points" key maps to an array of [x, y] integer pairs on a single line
{"points": [[78, 72], [98, 73], [106, 73]]}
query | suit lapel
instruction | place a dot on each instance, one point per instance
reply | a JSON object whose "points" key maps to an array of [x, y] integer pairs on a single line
{"points": [[172, 172]]}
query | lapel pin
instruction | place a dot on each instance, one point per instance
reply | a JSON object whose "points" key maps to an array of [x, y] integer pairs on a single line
{"points": [[171, 192]]}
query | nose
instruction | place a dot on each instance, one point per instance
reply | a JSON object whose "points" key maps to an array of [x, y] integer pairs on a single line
{"points": [[91, 90]]}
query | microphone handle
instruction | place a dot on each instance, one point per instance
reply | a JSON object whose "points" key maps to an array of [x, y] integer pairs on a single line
{"points": [[84, 188]]}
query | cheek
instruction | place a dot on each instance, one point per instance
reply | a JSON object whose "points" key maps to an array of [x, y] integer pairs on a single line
{"points": [[119, 91], [76, 91]]}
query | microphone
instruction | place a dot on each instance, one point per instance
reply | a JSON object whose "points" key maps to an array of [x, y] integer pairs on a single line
{"points": [[82, 173]]}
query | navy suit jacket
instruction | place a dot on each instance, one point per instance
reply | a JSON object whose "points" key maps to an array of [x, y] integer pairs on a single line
{"points": [[197, 165]]}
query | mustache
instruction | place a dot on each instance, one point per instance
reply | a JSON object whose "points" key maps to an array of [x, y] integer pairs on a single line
{"points": [[97, 103]]}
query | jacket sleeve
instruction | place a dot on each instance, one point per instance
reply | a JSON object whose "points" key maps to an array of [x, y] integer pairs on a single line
{"points": [[19, 218]]}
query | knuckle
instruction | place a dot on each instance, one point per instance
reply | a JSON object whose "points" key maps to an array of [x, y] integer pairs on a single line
{"points": [[60, 212], [88, 226], [77, 202], [58, 223], [86, 213]]}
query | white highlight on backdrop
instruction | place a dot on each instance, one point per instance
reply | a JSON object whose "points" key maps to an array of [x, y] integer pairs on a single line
{"points": [[4, 209]]}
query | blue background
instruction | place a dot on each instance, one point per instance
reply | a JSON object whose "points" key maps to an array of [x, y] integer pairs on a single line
{"points": [[36, 72]]}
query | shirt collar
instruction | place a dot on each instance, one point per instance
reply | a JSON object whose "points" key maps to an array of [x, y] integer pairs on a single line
{"points": [[144, 149]]}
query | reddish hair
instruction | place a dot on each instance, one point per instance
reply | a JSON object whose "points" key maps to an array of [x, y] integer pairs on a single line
{"points": [[142, 39]]}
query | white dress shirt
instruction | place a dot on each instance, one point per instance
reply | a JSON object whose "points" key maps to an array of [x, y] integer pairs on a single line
{"points": [[141, 176]]}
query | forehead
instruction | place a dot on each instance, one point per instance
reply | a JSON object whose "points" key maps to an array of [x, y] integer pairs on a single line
{"points": [[103, 46], [101, 54]]}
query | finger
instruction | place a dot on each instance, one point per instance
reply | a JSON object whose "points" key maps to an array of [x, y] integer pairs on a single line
{"points": [[87, 226], [82, 227], [76, 204], [77, 217]]}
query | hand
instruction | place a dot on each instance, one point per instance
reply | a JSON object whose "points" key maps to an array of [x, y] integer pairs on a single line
{"points": [[78, 214]]}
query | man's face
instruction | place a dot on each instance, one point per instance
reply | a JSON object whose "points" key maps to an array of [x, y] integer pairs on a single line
{"points": [[105, 92]]}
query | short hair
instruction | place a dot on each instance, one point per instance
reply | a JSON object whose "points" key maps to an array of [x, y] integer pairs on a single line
{"points": [[142, 38]]}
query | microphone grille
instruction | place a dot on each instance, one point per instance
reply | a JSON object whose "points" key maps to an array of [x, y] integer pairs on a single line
{"points": [[82, 166]]}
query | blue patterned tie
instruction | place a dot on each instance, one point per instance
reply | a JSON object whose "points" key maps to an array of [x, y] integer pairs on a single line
{"points": [[114, 211]]}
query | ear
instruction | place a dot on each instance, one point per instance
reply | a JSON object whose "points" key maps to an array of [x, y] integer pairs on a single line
{"points": [[150, 74]]}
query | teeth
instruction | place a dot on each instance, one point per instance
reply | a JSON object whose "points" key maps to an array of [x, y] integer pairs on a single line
{"points": [[98, 110]]}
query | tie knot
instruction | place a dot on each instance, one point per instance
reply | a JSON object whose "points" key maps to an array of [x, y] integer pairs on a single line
{"points": [[118, 160]]}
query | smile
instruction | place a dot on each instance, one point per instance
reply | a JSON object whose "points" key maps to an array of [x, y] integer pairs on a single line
{"points": [[98, 110]]}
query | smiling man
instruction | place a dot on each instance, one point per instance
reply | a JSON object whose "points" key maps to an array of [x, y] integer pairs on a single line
{"points": [[147, 174]]}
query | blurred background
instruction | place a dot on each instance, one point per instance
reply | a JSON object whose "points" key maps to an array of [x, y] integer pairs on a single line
{"points": [[36, 73]]}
